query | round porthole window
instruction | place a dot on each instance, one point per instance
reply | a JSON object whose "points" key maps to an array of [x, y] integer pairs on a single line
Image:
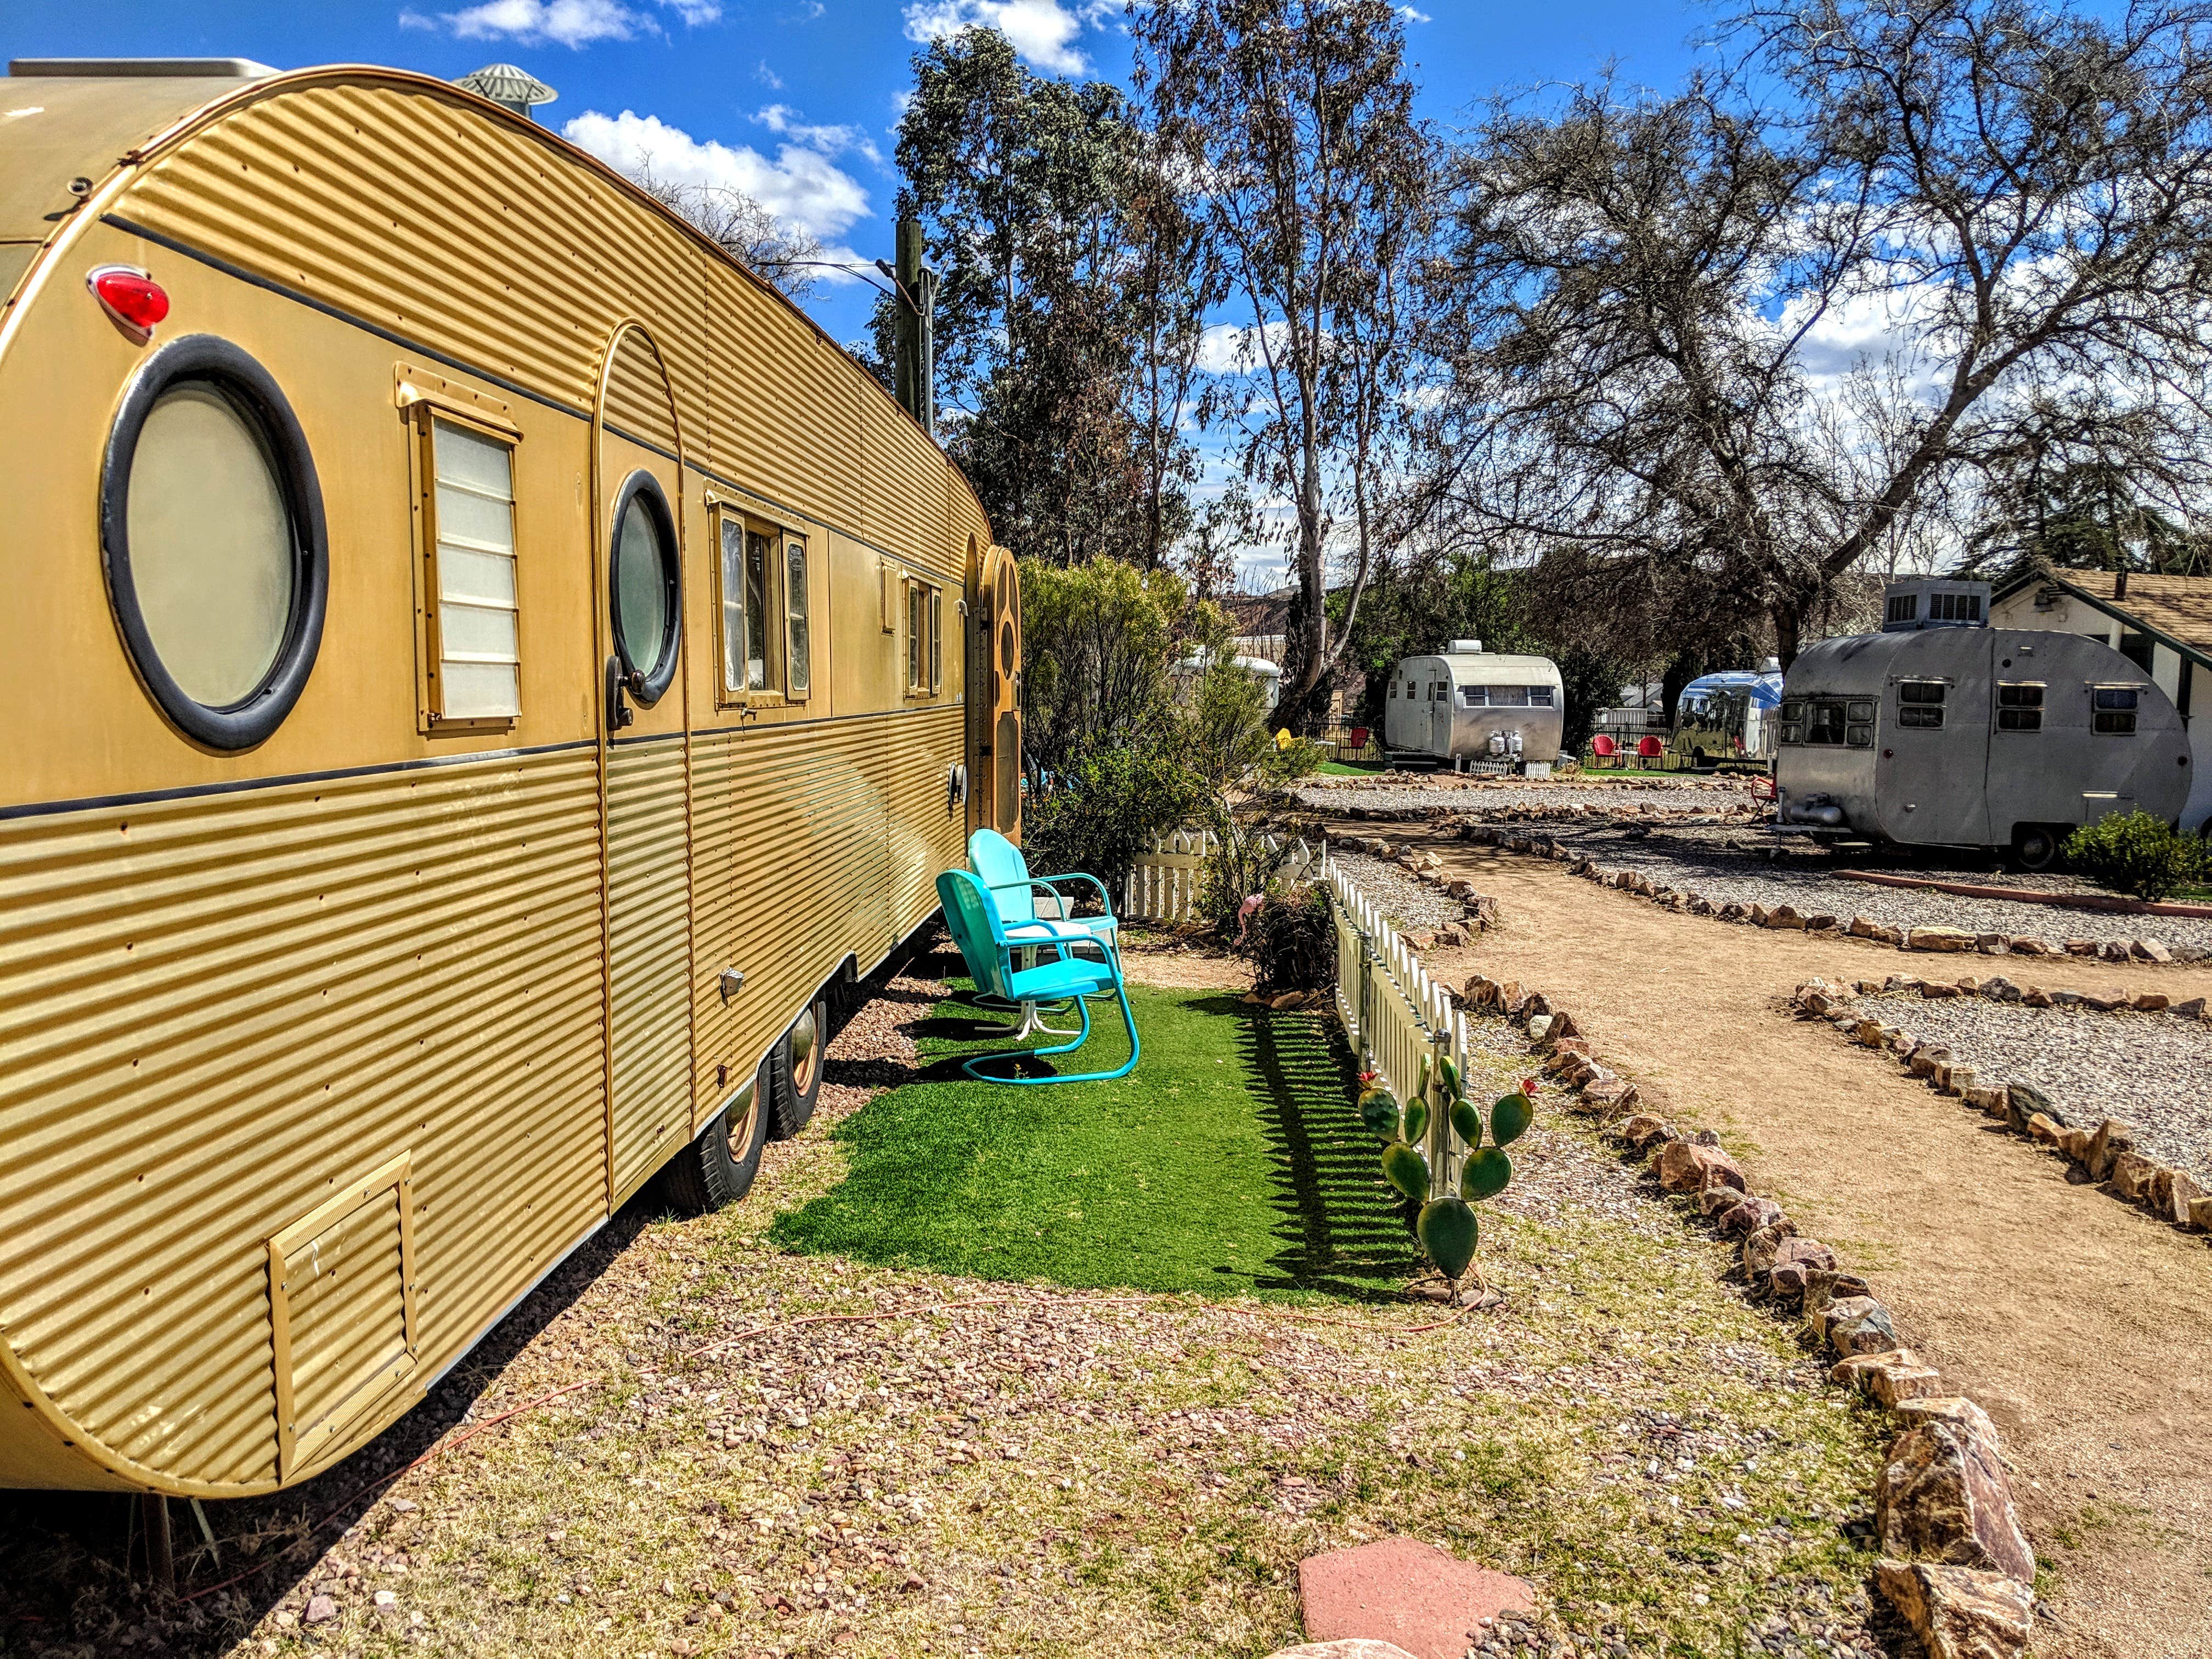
{"points": [[212, 533], [644, 596]]}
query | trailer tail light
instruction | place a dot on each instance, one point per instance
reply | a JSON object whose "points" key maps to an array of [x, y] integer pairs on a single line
{"points": [[131, 296]]}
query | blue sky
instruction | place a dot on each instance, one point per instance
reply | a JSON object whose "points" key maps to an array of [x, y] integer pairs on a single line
{"points": [[795, 99]]}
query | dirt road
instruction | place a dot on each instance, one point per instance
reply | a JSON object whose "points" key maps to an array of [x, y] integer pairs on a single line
{"points": [[2083, 1326]]}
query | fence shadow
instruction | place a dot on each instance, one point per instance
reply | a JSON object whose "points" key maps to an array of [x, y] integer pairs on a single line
{"points": [[1341, 1230]]}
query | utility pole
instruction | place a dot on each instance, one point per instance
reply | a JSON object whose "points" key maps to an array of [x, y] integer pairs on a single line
{"points": [[914, 369]]}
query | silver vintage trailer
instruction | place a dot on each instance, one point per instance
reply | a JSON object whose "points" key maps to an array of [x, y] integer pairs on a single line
{"points": [[1728, 718], [1972, 736], [1467, 705]]}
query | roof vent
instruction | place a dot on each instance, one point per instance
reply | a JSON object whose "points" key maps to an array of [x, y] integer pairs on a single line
{"points": [[507, 87], [1464, 648], [109, 68]]}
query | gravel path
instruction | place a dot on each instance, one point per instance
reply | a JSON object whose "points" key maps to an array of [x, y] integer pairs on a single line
{"points": [[1689, 797], [2154, 1070], [1728, 865], [1408, 902]]}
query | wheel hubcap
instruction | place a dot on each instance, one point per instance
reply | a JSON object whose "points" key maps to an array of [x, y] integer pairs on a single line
{"points": [[738, 1117], [805, 1050]]}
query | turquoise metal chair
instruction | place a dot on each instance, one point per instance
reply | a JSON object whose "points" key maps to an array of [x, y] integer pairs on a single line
{"points": [[988, 950], [999, 866]]}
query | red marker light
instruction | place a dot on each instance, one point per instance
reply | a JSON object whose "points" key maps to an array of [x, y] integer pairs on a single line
{"points": [[132, 297]]}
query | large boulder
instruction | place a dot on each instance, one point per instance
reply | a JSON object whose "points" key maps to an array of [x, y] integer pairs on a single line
{"points": [[1943, 1496], [1958, 1613], [1683, 1166], [1862, 1330]]}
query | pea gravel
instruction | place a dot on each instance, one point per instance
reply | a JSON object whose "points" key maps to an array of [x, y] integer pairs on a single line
{"points": [[2154, 1070], [1408, 902], [1732, 866]]}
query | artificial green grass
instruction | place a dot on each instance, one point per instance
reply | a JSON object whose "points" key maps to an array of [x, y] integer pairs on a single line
{"points": [[1231, 1161], [1342, 769]]}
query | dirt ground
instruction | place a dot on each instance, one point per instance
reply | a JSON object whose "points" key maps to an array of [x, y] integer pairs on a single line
{"points": [[2084, 1327]]}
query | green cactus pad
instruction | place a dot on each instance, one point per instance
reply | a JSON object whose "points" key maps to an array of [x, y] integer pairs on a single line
{"points": [[1405, 1169], [1509, 1117], [1416, 1119], [1378, 1110], [1467, 1122], [1450, 1073], [1487, 1172], [1449, 1231]]}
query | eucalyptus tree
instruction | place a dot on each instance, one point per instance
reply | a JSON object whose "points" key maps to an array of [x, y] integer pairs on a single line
{"points": [[1295, 121], [1652, 304]]}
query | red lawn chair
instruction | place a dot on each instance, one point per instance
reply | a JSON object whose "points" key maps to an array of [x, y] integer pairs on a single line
{"points": [[1648, 750], [1605, 750]]}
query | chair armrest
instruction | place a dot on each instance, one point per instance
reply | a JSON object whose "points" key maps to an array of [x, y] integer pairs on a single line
{"points": [[1106, 902]]}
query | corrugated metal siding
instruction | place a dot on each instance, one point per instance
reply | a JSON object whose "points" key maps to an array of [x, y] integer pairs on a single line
{"points": [[648, 912], [219, 1009], [927, 835], [637, 394], [348, 1309]]}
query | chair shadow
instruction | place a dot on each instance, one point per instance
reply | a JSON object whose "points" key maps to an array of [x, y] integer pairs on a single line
{"points": [[1341, 1230]]}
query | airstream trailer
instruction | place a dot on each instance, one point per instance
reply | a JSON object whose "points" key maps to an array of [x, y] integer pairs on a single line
{"points": [[1467, 705], [489, 670], [1973, 736], [1727, 719]]}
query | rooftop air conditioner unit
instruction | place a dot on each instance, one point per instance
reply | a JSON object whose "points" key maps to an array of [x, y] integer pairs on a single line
{"points": [[1919, 602]]}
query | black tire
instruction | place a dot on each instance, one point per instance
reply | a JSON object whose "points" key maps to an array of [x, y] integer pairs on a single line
{"points": [[719, 1166], [2035, 847], [800, 1083]]}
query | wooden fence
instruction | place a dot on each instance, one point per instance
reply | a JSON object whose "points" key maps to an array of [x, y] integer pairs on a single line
{"points": [[1395, 1016], [1164, 884]]}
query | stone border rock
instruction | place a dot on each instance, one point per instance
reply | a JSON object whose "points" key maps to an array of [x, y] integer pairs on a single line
{"points": [[1788, 917], [1954, 1561], [2105, 1149]]}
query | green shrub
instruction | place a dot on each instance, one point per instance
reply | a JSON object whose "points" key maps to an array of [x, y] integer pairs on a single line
{"points": [[1107, 808], [1292, 938], [2136, 854]]}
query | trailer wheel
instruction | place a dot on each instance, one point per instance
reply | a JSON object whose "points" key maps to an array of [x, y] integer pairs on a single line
{"points": [[800, 1077], [2035, 846], [719, 1166]]}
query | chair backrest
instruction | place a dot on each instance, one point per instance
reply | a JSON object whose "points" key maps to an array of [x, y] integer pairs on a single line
{"points": [[1604, 747], [999, 864], [1649, 746], [976, 929]]}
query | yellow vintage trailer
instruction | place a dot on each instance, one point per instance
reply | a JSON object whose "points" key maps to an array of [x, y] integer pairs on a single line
{"points": [[484, 667]]}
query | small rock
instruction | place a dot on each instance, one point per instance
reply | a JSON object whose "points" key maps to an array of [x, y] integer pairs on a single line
{"points": [[2200, 1215], [2192, 1009], [1993, 945], [321, 1609], [1539, 1028], [2131, 1175], [1685, 1167], [2149, 1002], [1750, 1214], [1960, 1613], [2172, 1193], [1856, 1328], [2025, 946], [2112, 1137], [1641, 1130], [2043, 1130], [1939, 938], [386, 1599], [1895, 1374], [2149, 950], [1823, 1288]]}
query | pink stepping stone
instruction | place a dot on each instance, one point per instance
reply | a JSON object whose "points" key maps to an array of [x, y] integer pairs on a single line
{"points": [[1403, 1591]]}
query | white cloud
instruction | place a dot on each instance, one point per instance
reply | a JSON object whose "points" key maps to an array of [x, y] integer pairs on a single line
{"points": [[783, 120], [1412, 17], [1234, 349], [801, 186], [1042, 30], [562, 22], [768, 77]]}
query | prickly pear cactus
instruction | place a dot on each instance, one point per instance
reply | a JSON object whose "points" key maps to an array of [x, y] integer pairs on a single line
{"points": [[1447, 1225]]}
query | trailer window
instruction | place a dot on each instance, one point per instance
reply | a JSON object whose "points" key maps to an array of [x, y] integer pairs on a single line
{"points": [[798, 661], [212, 531], [1540, 696], [479, 660], [643, 584], [924, 658], [1394, 691], [1859, 737], [760, 584], [1920, 704], [1825, 724], [1472, 696], [1509, 696], [2020, 708], [2113, 708]]}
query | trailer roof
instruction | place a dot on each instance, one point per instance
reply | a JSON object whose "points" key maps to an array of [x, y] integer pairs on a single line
{"points": [[57, 128]]}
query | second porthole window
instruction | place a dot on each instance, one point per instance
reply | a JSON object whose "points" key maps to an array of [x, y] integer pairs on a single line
{"points": [[645, 586]]}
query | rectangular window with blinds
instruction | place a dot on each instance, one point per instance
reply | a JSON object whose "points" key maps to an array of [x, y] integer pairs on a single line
{"points": [[475, 656]]}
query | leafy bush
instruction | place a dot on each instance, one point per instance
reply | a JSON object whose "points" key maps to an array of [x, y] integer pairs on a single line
{"points": [[1109, 806], [2136, 854], [1292, 941], [1097, 640]]}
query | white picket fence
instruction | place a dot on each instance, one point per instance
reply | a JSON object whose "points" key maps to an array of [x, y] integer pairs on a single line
{"points": [[1164, 884], [1395, 1016]]}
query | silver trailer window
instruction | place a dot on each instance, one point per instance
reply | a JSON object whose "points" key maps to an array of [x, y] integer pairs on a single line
{"points": [[1824, 722], [2020, 707], [1920, 704], [1540, 696], [1509, 696], [1472, 697], [2114, 708]]}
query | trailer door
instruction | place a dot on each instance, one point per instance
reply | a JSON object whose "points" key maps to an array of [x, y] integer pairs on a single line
{"points": [[646, 767], [1934, 729]]}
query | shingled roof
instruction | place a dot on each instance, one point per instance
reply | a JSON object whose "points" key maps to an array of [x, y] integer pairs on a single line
{"points": [[2177, 608]]}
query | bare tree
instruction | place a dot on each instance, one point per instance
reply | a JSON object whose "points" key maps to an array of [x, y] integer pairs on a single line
{"points": [[2011, 197], [1296, 118], [783, 254]]}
